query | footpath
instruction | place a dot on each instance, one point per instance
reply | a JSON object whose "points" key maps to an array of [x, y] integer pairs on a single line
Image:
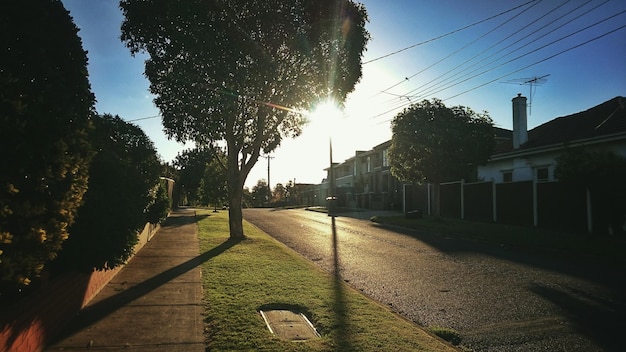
{"points": [[153, 304]]}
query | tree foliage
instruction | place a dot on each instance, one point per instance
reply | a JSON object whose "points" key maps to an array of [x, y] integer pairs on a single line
{"points": [[291, 192], [123, 184], [260, 193], [602, 173], [213, 185], [160, 204], [191, 165], [279, 194], [435, 143], [45, 106], [238, 71]]}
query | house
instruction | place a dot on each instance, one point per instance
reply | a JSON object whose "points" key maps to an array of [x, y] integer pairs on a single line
{"points": [[517, 184], [364, 180], [522, 169], [531, 155]]}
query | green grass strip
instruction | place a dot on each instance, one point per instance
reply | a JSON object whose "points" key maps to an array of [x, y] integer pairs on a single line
{"points": [[240, 278]]}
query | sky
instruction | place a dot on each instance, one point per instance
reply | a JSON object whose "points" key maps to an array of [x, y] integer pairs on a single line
{"points": [[479, 55]]}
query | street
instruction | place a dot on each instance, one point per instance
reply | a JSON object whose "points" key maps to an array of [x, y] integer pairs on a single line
{"points": [[497, 298]]}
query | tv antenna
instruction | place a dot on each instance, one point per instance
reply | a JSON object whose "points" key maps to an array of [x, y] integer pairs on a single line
{"points": [[532, 82]]}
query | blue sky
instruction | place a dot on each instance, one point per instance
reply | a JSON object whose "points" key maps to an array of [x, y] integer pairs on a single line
{"points": [[539, 38]]}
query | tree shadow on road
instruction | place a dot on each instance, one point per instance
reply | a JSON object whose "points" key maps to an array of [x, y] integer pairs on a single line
{"points": [[602, 321]]}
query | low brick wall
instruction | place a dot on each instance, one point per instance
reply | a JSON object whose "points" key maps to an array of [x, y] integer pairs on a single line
{"points": [[34, 321]]}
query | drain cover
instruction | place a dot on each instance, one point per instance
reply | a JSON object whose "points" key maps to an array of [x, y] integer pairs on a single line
{"points": [[289, 325]]}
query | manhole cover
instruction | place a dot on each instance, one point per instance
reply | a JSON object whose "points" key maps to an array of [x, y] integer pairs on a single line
{"points": [[289, 325]]}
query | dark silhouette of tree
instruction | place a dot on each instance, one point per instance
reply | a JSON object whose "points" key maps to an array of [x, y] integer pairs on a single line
{"points": [[291, 192], [45, 106], [260, 193], [160, 204], [602, 173], [247, 198], [213, 185], [239, 71], [191, 164], [279, 194], [123, 181], [434, 143]]}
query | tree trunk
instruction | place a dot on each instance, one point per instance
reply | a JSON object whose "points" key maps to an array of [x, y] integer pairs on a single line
{"points": [[235, 192], [235, 215]]}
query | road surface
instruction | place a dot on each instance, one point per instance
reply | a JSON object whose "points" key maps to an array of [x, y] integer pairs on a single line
{"points": [[497, 298]]}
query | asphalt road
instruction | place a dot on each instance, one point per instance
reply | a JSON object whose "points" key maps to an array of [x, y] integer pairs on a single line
{"points": [[497, 298]]}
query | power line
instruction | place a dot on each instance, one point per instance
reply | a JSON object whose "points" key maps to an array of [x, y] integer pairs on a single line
{"points": [[540, 61], [457, 82], [516, 71], [423, 89], [530, 52], [465, 46], [447, 34], [144, 118]]}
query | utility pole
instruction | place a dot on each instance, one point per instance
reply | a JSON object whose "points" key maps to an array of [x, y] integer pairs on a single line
{"points": [[269, 185]]}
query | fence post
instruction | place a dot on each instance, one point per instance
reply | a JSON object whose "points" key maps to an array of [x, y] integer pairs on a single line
{"points": [[494, 201], [535, 204], [429, 201], [462, 199], [404, 198], [589, 215]]}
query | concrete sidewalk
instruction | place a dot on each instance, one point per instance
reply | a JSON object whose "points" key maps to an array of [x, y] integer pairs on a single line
{"points": [[153, 304]]}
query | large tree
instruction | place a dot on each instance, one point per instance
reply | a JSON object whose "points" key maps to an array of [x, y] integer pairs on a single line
{"points": [[239, 71], [45, 107], [433, 143]]}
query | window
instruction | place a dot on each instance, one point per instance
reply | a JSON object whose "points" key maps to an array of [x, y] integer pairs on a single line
{"points": [[542, 174], [507, 176], [385, 158], [369, 164]]}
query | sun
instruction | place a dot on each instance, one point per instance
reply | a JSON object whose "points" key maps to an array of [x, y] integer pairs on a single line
{"points": [[326, 110]]}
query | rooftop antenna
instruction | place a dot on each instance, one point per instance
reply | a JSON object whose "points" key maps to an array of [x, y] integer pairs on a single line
{"points": [[532, 82]]}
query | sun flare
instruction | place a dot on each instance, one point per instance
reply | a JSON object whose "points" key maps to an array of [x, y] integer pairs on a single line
{"points": [[327, 110]]}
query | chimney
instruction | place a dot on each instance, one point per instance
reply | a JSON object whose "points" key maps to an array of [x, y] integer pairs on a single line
{"points": [[520, 122]]}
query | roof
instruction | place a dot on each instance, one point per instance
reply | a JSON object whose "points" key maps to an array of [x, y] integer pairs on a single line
{"points": [[606, 119]]}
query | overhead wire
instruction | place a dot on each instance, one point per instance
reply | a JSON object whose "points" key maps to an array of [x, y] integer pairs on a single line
{"points": [[517, 70], [144, 118], [447, 34], [540, 61], [438, 85], [532, 51], [463, 47], [424, 86], [457, 82]]}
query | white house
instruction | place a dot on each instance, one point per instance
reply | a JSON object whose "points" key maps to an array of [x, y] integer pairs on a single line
{"points": [[529, 155]]}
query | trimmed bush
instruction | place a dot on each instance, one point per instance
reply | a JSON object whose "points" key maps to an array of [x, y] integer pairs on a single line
{"points": [[122, 181], [45, 107]]}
